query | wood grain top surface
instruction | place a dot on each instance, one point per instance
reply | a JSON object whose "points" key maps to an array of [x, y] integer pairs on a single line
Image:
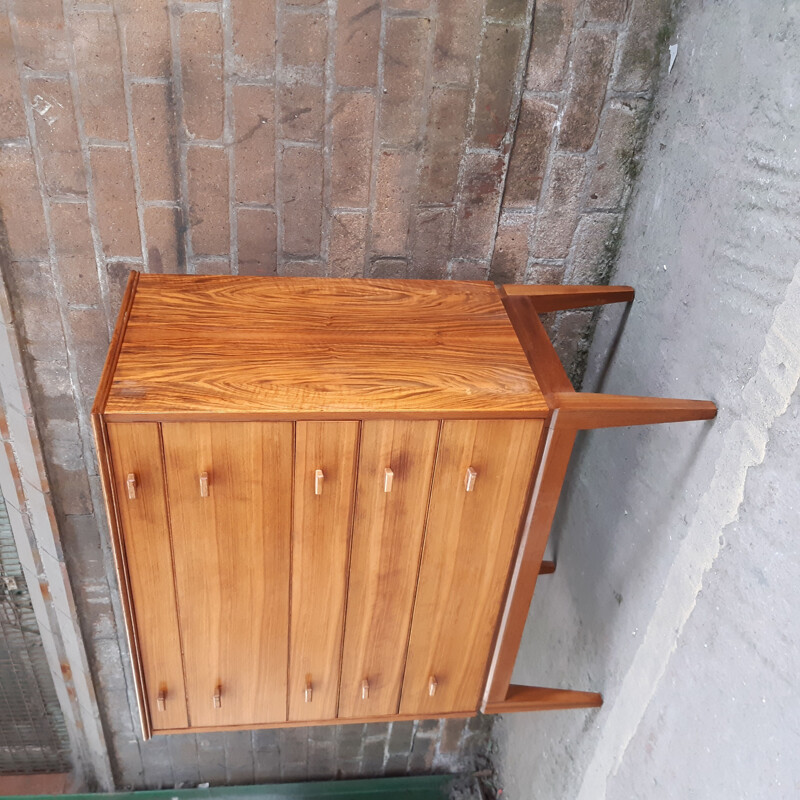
{"points": [[294, 347]]}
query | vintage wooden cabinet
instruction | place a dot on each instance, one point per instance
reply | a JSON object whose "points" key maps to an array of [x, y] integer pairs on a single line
{"points": [[329, 499]]}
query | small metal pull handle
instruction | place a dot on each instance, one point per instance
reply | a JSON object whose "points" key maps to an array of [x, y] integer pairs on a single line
{"points": [[130, 482], [203, 484], [319, 476], [309, 692], [388, 477], [365, 689], [217, 697], [161, 700], [469, 481], [433, 685]]}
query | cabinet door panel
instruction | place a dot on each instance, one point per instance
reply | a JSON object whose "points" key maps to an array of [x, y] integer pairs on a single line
{"points": [[387, 537], [323, 503], [469, 543], [136, 454], [231, 536]]}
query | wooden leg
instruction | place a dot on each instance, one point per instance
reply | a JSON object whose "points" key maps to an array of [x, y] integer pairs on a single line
{"points": [[535, 530], [539, 698], [584, 411], [547, 567], [560, 298]]}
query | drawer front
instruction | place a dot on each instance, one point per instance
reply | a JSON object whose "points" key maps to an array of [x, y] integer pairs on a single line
{"points": [[324, 482], [230, 486], [387, 538], [139, 489], [483, 469]]}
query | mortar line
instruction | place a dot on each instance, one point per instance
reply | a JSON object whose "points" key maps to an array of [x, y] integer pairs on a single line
{"points": [[228, 132], [279, 147], [327, 136]]}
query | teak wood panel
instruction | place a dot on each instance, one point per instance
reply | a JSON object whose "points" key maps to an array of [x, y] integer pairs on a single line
{"points": [[136, 450], [469, 542], [387, 539], [308, 346], [232, 565], [320, 551]]}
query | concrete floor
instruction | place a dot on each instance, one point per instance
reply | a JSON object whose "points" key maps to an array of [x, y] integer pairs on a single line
{"points": [[677, 592]]}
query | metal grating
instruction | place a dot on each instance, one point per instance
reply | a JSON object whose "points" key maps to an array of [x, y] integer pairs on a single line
{"points": [[33, 737]]}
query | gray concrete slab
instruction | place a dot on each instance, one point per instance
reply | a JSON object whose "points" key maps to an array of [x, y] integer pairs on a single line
{"points": [[678, 587]]}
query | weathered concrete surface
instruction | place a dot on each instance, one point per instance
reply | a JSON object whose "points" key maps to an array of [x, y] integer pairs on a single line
{"points": [[678, 581]]}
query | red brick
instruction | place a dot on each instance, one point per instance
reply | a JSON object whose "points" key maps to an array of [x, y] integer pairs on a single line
{"points": [[444, 145], [348, 245], [432, 234], [510, 256], [12, 115], [497, 76], [301, 176], [480, 203], [351, 156], [254, 37], [389, 268], [303, 269], [552, 29], [408, 5], [559, 209], [154, 126], [301, 112], [147, 39], [43, 42], [395, 184], [115, 201], [209, 225], [403, 79], [595, 248], [458, 35], [212, 266], [590, 68], [606, 10], [254, 152], [163, 230], [258, 241], [641, 53], [304, 40], [90, 338], [75, 259], [617, 147], [57, 135], [529, 153], [506, 10], [358, 27], [21, 204], [201, 69], [96, 43]]}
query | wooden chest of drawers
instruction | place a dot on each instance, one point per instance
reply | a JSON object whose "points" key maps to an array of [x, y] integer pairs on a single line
{"points": [[319, 493]]}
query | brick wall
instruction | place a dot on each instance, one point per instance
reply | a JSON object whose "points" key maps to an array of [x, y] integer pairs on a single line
{"points": [[386, 138]]}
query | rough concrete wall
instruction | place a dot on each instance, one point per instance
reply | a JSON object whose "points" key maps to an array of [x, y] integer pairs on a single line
{"points": [[678, 578], [401, 138]]}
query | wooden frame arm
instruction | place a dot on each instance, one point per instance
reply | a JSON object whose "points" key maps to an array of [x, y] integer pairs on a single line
{"points": [[561, 298]]}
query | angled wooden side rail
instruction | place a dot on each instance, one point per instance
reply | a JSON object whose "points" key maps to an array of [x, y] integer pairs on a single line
{"points": [[570, 412]]}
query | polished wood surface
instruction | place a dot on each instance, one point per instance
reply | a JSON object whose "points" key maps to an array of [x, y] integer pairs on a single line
{"points": [[562, 297], [539, 698], [387, 541], [136, 448], [526, 569], [320, 552], [469, 541], [232, 565], [295, 346], [585, 411]]}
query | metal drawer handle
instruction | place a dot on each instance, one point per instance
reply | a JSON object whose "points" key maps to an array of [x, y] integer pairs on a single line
{"points": [[130, 482], [388, 478], [469, 481]]}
